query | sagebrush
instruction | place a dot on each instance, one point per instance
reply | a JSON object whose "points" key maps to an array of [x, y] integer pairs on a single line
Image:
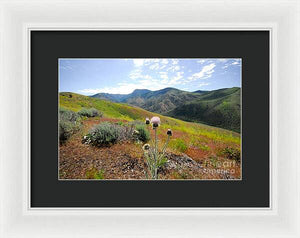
{"points": [[143, 134], [90, 112], [69, 124]]}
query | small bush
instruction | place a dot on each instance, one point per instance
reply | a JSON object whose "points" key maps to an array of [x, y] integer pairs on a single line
{"points": [[143, 134], [90, 112], [232, 153], [178, 144], [69, 124], [104, 134], [68, 115], [126, 132]]}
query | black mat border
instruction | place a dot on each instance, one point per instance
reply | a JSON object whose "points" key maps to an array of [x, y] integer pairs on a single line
{"points": [[251, 46]]}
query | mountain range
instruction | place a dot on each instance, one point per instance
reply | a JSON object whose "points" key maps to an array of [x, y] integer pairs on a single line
{"points": [[220, 108]]}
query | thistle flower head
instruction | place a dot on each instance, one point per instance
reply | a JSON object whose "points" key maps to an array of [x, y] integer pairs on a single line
{"points": [[169, 132], [155, 121], [146, 147], [147, 121]]}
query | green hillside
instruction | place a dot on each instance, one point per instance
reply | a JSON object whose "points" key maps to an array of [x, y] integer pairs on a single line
{"points": [[162, 101], [98, 140], [121, 111], [219, 108]]}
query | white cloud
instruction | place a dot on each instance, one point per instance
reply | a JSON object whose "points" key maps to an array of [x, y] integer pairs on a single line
{"points": [[174, 68], [164, 61], [236, 62], [155, 74], [138, 62], [126, 88], [166, 71], [135, 74], [223, 60], [141, 82], [202, 61], [175, 80], [121, 88], [205, 72], [163, 75], [90, 91], [154, 66], [175, 61]]}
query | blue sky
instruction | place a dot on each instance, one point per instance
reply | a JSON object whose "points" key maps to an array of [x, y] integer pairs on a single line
{"points": [[91, 76]]}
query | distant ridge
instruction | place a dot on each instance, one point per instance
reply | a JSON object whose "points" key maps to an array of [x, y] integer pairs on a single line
{"points": [[216, 107], [201, 91]]}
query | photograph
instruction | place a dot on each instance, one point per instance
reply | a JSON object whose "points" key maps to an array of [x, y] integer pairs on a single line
{"points": [[150, 119]]}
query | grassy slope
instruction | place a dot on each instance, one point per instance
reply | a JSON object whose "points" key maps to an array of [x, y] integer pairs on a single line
{"points": [[121, 111], [220, 108]]}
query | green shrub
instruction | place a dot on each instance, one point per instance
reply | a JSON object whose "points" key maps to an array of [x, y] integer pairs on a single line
{"points": [[90, 112], [69, 124], [68, 115], [143, 134], [178, 144], [104, 134], [232, 153]]}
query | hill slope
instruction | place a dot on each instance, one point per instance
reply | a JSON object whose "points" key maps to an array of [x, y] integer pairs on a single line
{"points": [[195, 151], [160, 101], [219, 108], [76, 102]]}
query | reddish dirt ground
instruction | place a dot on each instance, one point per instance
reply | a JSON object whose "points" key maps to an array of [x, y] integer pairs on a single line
{"points": [[125, 160]]}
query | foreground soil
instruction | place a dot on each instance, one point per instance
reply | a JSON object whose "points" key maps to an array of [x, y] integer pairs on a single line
{"points": [[125, 160]]}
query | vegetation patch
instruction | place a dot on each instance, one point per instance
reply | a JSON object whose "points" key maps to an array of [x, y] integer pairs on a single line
{"points": [[178, 144], [106, 134], [232, 153], [69, 124], [103, 134], [90, 112], [143, 134], [95, 174]]}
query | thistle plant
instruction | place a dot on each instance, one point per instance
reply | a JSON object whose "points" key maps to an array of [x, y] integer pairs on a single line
{"points": [[155, 158]]}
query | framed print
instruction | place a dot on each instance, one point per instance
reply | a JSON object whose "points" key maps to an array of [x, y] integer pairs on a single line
{"points": [[122, 119], [194, 139]]}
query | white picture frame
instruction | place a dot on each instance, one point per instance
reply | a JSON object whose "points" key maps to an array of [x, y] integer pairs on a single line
{"points": [[18, 18]]}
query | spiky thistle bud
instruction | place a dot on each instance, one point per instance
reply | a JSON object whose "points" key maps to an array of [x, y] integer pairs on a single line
{"points": [[146, 147], [147, 121]]}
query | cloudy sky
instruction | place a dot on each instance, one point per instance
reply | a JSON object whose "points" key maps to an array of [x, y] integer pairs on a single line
{"points": [[91, 76]]}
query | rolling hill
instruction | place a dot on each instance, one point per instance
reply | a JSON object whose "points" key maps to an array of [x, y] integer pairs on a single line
{"points": [[219, 108], [194, 151], [121, 111]]}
